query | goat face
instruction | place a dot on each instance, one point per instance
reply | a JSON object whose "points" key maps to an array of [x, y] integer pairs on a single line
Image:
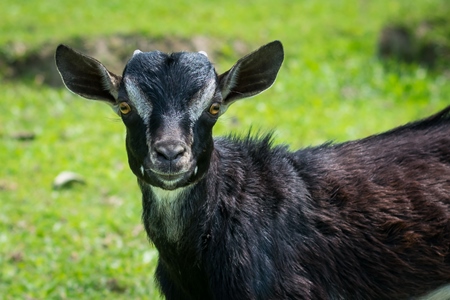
{"points": [[169, 104]]}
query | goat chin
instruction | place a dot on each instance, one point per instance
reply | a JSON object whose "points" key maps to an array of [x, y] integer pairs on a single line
{"points": [[163, 195]]}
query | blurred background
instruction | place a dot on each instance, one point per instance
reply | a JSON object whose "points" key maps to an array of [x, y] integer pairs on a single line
{"points": [[352, 68]]}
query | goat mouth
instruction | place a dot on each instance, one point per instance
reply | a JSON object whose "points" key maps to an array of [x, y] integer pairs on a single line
{"points": [[171, 177], [168, 181]]}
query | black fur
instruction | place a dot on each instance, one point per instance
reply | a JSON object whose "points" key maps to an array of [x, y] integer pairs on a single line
{"points": [[366, 219]]}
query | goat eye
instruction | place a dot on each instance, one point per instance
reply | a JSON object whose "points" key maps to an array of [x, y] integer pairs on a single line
{"points": [[214, 109], [124, 108]]}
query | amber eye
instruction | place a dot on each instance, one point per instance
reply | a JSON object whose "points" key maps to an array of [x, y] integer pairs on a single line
{"points": [[214, 109], [124, 108]]}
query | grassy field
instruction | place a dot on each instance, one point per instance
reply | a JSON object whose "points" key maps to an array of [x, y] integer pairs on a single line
{"points": [[87, 242]]}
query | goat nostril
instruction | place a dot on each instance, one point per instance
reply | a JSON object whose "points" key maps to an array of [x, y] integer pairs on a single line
{"points": [[169, 151]]}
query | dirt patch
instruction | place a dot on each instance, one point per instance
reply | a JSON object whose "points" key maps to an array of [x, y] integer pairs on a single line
{"points": [[18, 62], [426, 43]]}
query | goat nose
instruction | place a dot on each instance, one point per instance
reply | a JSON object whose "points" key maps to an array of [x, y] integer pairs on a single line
{"points": [[169, 151]]}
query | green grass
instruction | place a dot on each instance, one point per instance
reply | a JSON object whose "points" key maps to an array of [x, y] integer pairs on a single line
{"points": [[87, 242]]}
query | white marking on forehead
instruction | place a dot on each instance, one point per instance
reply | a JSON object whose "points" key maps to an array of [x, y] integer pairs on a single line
{"points": [[138, 99], [202, 100], [137, 51], [204, 53]]}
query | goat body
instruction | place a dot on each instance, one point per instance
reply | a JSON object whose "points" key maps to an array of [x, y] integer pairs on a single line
{"points": [[239, 218]]}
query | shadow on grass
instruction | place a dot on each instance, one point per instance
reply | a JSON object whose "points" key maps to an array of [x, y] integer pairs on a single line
{"points": [[18, 61]]}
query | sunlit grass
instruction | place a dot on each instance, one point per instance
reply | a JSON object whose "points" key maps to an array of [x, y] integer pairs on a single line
{"points": [[87, 242]]}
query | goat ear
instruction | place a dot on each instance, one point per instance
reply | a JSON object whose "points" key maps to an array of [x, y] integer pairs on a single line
{"points": [[252, 74], [86, 76]]}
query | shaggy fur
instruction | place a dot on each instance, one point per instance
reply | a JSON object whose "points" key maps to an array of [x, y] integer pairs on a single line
{"points": [[242, 219], [366, 219]]}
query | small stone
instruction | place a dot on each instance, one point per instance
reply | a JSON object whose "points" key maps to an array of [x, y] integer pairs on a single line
{"points": [[24, 136], [66, 179]]}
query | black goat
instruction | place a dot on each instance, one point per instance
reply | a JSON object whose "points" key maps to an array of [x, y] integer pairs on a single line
{"points": [[243, 219]]}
